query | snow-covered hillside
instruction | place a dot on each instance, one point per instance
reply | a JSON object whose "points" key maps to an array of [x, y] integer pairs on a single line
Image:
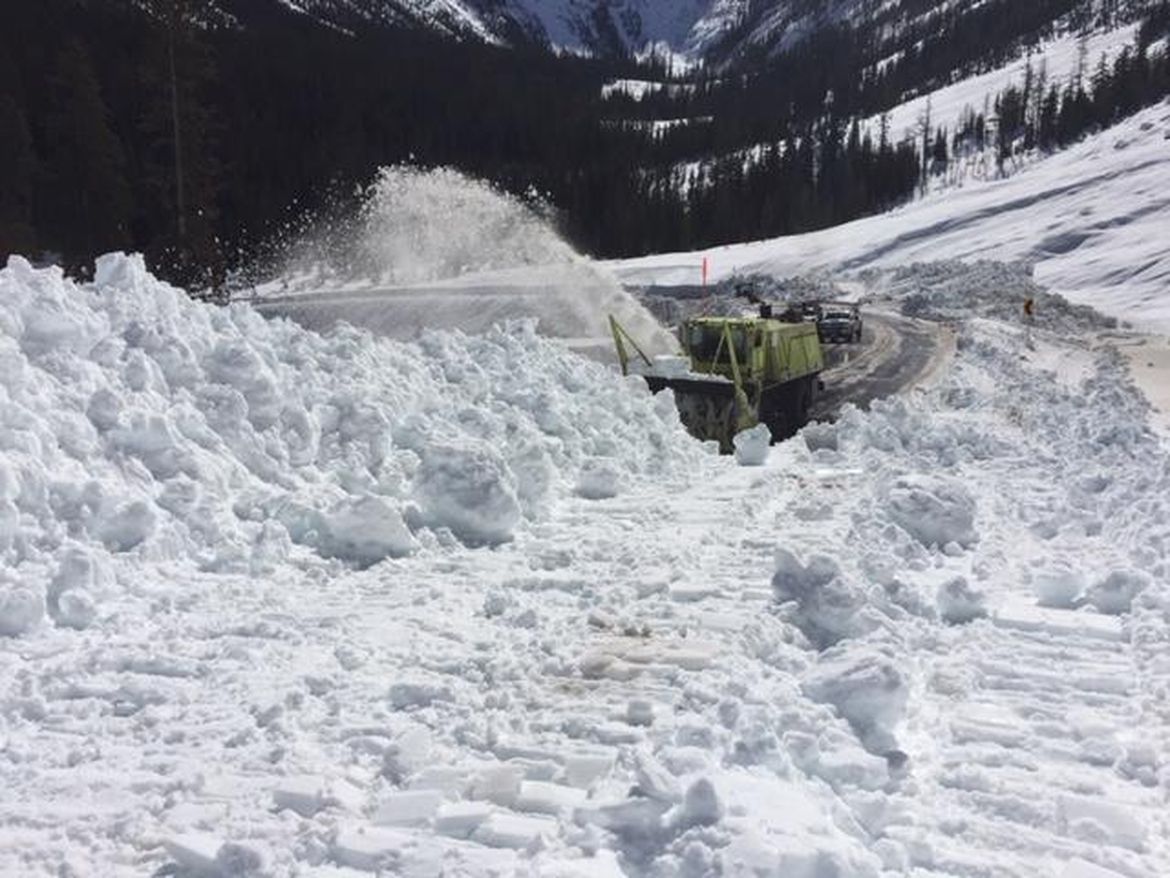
{"points": [[1093, 222]]}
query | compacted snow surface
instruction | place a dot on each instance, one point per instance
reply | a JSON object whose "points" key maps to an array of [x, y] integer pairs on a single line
{"points": [[276, 603]]}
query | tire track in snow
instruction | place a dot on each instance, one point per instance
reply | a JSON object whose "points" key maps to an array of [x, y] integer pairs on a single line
{"points": [[1025, 716]]}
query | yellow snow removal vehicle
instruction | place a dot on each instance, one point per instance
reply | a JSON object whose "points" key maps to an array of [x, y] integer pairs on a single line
{"points": [[735, 372]]}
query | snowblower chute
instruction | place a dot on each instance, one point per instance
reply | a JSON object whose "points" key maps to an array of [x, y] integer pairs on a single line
{"points": [[735, 372]]}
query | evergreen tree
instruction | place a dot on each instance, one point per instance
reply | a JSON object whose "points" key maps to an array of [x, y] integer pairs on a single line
{"points": [[18, 170], [88, 208]]}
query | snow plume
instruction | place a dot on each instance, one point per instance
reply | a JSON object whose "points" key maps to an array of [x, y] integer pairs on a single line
{"points": [[416, 226], [421, 226], [437, 249], [138, 424]]}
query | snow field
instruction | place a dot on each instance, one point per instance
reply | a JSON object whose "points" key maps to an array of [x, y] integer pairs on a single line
{"points": [[1057, 59], [851, 659], [1090, 222]]}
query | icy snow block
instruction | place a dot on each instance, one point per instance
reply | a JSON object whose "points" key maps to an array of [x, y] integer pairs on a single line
{"points": [[75, 609], [198, 853], [866, 686], [793, 581], [499, 784], [417, 693], [701, 806], [1058, 586], [409, 752], [129, 526], [194, 851], [1115, 593], [469, 490], [599, 479], [932, 509], [22, 608], [830, 607], [460, 819], [515, 831], [752, 446], [364, 531], [370, 848], [307, 795], [1021, 614], [447, 779], [1100, 822], [548, 798], [959, 602], [654, 781], [585, 769], [409, 808], [1078, 868]]}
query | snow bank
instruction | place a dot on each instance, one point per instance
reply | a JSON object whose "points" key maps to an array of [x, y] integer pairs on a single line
{"points": [[135, 422]]}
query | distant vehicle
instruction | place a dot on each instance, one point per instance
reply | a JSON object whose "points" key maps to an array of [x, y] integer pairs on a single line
{"points": [[839, 322]]}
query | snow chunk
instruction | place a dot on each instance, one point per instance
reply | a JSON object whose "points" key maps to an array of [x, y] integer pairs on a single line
{"points": [[417, 693], [599, 479], [1115, 593], [933, 509], [829, 607], [514, 831], [460, 819], [868, 687], [960, 602], [306, 795], [22, 607], [365, 530], [75, 609], [129, 526], [204, 854], [408, 808], [470, 490], [543, 797], [752, 446], [701, 806], [1099, 821], [1058, 586]]}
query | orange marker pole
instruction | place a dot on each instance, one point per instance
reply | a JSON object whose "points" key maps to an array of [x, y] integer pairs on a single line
{"points": [[704, 271]]}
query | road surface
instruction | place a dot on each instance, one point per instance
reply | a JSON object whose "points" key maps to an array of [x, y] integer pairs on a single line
{"points": [[896, 353]]}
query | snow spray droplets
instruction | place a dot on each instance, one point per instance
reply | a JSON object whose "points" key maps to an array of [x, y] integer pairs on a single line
{"points": [[420, 226]]}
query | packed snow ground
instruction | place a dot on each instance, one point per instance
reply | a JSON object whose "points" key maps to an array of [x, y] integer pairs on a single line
{"points": [[1093, 222], [276, 603]]}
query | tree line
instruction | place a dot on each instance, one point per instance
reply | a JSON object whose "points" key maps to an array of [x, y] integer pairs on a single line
{"points": [[200, 139]]}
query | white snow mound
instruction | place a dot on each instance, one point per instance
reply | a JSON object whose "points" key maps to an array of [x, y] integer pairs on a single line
{"points": [[135, 422]]}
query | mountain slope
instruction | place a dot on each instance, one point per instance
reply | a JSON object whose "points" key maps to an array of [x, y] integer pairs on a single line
{"points": [[697, 29]]}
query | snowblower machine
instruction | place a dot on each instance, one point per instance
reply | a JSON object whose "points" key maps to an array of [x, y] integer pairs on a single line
{"points": [[735, 372]]}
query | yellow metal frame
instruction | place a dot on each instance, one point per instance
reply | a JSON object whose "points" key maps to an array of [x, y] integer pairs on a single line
{"points": [[619, 332]]}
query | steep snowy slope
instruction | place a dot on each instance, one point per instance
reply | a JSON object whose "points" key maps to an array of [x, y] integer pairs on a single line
{"points": [[1094, 222]]}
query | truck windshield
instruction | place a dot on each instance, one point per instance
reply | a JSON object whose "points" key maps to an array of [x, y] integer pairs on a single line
{"points": [[703, 343]]}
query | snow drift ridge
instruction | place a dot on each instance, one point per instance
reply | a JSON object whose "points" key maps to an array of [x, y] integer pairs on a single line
{"points": [[136, 422]]}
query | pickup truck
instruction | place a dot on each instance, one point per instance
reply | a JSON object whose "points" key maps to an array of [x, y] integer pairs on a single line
{"points": [[839, 323]]}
